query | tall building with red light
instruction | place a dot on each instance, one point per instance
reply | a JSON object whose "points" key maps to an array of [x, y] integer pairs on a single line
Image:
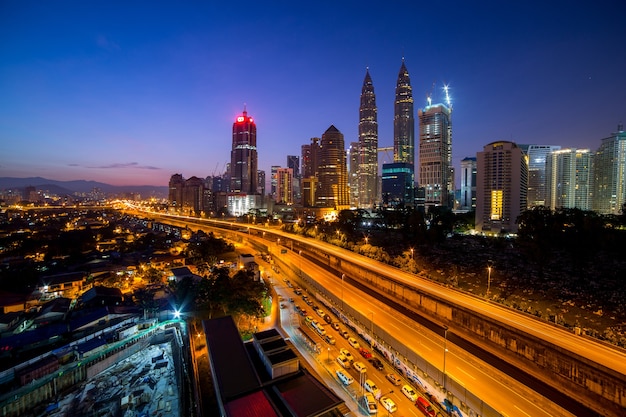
{"points": [[243, 156]]}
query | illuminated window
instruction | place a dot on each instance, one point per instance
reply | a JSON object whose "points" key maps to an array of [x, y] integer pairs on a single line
{"points": [[496, 204]]}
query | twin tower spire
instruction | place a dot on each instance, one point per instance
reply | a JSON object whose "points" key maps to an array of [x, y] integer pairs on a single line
{"points": [[403, 133]]}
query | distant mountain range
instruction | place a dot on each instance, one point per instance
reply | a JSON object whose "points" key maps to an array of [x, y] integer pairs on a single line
{"points": [[80, 186]]}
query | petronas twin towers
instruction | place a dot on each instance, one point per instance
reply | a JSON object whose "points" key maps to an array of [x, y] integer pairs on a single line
{"points": [[403, 134]]}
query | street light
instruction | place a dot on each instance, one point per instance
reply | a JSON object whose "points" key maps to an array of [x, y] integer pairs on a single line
{"points": [[488, 279], [445, 349], [412, 250]]}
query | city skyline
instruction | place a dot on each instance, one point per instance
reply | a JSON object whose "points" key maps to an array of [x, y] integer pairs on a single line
{"points": [[132, 94]]}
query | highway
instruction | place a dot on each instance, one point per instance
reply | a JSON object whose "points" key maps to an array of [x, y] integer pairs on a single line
{"points": [[468, 372]]}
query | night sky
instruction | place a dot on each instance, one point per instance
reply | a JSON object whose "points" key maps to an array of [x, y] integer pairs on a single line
{"points": [[131, 92]]}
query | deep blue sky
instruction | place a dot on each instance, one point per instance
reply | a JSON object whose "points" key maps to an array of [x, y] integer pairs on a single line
{"points": [[132, 92]]}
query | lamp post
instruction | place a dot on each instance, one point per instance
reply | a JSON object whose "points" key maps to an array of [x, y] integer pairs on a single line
{"points": [[488, 279], [445, 349], [412, 250]]}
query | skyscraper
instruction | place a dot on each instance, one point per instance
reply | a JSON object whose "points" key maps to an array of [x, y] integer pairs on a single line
{"points": [[332, 171], [243, 156], [368, 145], [609, 183], [501, 187], [537, 155], [284, 185], [568, 179], [404, 120], [468, 184], [436, 173]]}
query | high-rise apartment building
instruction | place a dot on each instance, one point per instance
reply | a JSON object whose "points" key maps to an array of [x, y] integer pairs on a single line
{"points": [[537, 155], [243, 156], [176, 186], [609, 170], [501, 187], [367, 173], [332, 171], [468, 184], [284, 186], [274, 181], [435, 170], [404, 120], [568, 179]]}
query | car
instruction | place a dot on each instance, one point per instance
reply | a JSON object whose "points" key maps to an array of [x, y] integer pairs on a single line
{"points": [[368, 402], [303, 312], [291, 299], [335, 325], [328, 319], [347, 354], [359, 366], [365, 353], [425, 407], [409, 392], [354, 343], [394, 379], [343, 361], [376, 363], [308, 319], [329, 339], [344, 333], [389, 404], [344, 377], [370, 386]]}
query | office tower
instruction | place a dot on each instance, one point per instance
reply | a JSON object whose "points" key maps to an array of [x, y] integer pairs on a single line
{"points": [[175, 195], [353, 174], [243, 157], [501, 187], [274, 180], [403, 120], [332, 171], [435, 171], [397, 184], [568, 179], [284, 186], [537, 155], [468, 184], [609, 182], [293, 162], [260, 182], [368, 146]]}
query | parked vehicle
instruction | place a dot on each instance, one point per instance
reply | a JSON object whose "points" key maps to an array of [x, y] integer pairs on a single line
{"points": [[343, 361], [389, 404], [368, 402], [354, 343], [376, 363], [344, 377], [370, 386], [347, 354], [359, 366], [424, 406], [394, 379], [365, 353], [409, 393]]}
